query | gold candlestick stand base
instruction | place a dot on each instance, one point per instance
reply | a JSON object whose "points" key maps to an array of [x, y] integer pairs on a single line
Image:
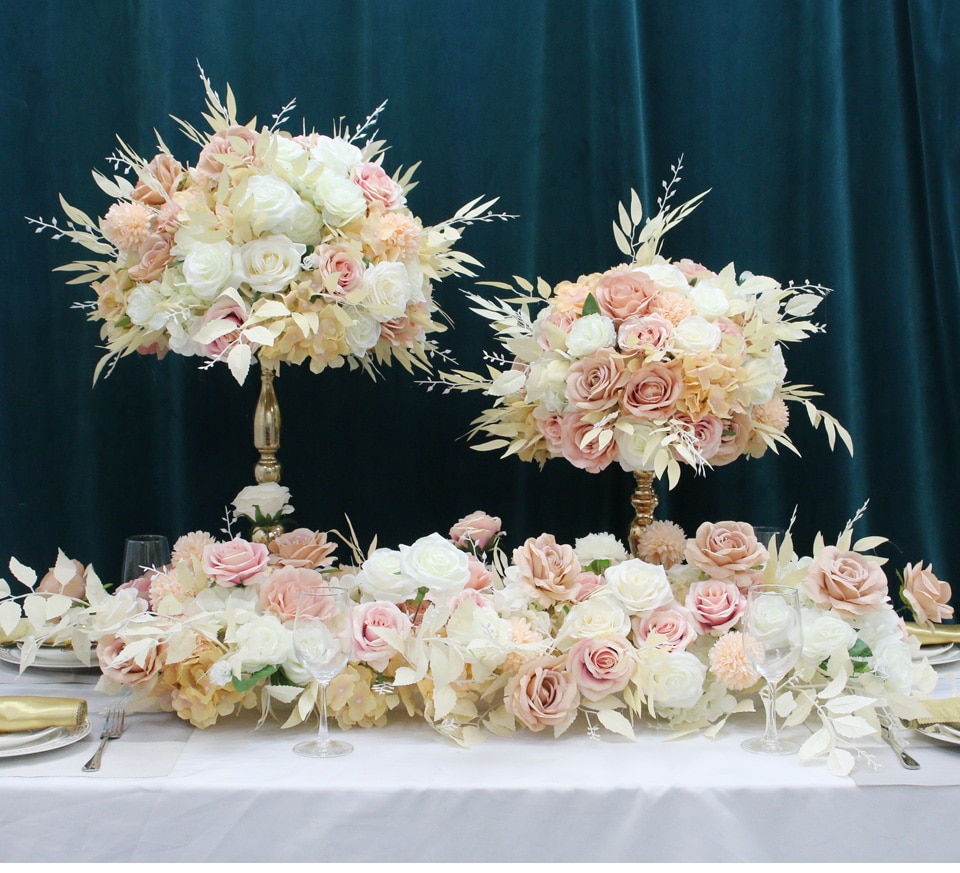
{"points": [[645, 503]]}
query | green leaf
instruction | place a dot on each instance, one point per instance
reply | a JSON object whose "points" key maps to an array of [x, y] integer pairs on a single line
{"points": [[590, 305], [243, 685], [598, 566]]}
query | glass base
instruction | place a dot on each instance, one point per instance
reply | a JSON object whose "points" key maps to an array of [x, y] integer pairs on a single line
{"points": [[762, 746], [328, 749]]}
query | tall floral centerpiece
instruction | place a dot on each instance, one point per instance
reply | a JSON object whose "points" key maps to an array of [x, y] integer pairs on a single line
{"points": [[653, 364], [273, 246]]}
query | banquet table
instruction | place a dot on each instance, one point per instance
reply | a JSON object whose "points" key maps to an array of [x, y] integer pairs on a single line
{"points": [[169, 792]]}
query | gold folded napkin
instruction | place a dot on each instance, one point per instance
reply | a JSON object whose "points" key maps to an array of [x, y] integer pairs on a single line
{"points": [[944, 710], [941, 633], [21, 713]]}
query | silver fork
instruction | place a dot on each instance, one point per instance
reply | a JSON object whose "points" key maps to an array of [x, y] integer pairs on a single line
{"points": [[112, 728]]}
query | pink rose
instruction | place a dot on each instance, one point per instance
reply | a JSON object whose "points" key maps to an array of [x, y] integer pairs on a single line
{"points": [[280, 590], [601, 666], [586, 584], [302, 548], [652, 391], [715, 606], [376, 185], [480, 600], [366, 620], [209, 168], [592, 457], [733, 440], [673, 621], [623, 292], [707, 433], [474, 532], [126, 671], [141, 585], [235, 562], [543, 693], [549, 569], [562, 319], [403, 331], [230, 310], [480, 577], [76, 587], [847, 582], [337, 260], [650, 331], [595, 382], [927, 596], [728, 551], [551, 426], [167, 172], [693, 270], [154, 258]]}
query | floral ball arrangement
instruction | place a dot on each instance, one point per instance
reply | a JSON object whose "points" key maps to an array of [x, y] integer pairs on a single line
{"points": [[452, 630], [294, 248], [649, 365]]}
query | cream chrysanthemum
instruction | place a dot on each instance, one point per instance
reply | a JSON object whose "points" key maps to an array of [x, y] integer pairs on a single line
{"points": [[162, 585], [126, 225], [673, 307], [773, 413], [662, 542], [190, 546], [728, 662]]}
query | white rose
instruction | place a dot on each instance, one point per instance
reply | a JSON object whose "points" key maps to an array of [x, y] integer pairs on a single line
{"points": [[632, 439], [547, 383], [514, 597], [307, 226], [482, 632], [388, 290], [878, 627], [773, 621], [106, 615], [143, 304], [286, 154], [590, 334], [435, 563], [270, 263], [341, 200], [336, 154], [363, 334], [599, 547], [274, 203], [892, 663], [209, 268], [668, 277], [418, 287], [764, 375], [639, 586], [697, 335], [676, 679], [825, 633], [271, 498], [598, 616], [380, 578], [263, 641], [711, 301], [508, 382], [180, 336]]}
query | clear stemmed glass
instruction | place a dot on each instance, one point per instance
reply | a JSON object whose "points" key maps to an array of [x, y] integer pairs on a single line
{"points": [[143, 552], [322, 642], [772, 641]]}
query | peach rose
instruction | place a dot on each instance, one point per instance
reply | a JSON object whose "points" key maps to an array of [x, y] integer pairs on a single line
{"points": [[167, 172], [125, 671], [673, 621], [154, 258], [302, 548], [693, 270], [376, 185], [728, 551], [715, 606], [208, 167], [594, 382], [733, 440], [480, 577], [474, 532], [76, 587], [623, 292], [235, 562], [368, 646], [927, 596], [847, 582], [280, 589], [592, 457], [549, 569], [231, 311], [586, 584], [601, 666], [637, 332], [337, 260], [652, 391], [543, 693], [707, 433], [551, 426]]}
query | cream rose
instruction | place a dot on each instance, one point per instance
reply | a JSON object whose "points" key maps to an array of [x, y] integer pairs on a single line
{"points": [[434, 563], [600, 615], [270, 263], [542, 694], [267, 500], [273, 203], [639, 586], [340, 199], [261, 642], [697, 335], [208, 268], [388, 290], [547, 382], [601, 666], [847, 582], [599, 547], [336, 154], [825, 634], [710, 300], [380, 578], [590, 334], [481, 631], [675, 679], [633, 438]]}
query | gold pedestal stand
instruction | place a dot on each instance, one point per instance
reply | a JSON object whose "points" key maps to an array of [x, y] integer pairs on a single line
{"points": [[645, 503], [266, 439]]}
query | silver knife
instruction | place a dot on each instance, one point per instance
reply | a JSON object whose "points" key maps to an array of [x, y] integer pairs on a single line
{"points": [[890, 739]]}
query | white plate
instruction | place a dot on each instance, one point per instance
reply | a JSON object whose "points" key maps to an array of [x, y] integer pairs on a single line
{"points": [[929, 652], [941, 732], [15, 739], [48, 658], [34, 742], [946, 658]]}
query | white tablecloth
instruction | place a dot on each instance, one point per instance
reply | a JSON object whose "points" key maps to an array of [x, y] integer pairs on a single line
{"points": [[230, 793]]}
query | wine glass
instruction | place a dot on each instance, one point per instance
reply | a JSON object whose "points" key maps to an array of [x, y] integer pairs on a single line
{"points": [[765, 534], [322, 642], [772, 641], [144, 552]]}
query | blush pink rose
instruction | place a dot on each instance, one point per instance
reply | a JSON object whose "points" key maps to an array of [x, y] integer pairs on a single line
{"points": [[847, 582], [366, 620], [707, 433], [728, 551], [621, 293], [733, 440], [715, 606], [478, 597], [672, 621], [154, 258], [693, 270], [649, 331], [141, 584], [302, 548], [167, 172], [208, 167], [653, 390], [337, 260], [280, 589], [235, 562], [551, 426], [474, 532], [231, 311], [562, 319], [927, 596], [76, 587], [601, 666], [128, 672], [586, 584], [595, 382], [590, 457], [543, 693], [376, 185], [480, 577], [550, 570]]}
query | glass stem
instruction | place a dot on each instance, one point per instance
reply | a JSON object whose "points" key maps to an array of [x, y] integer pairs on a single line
{"points": [[771, 737], [323, 732]]}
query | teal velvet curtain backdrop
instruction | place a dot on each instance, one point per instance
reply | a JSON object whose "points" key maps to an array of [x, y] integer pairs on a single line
{"points": [[828, 131]]}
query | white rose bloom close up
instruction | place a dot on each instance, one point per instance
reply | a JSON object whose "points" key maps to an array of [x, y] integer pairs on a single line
{"points": [[632, 443], [336, 154], [590, 334], [675, 679], [598, 616], [388, 290], [547, 382], [208, 268], [272, 499], [262, 642], [380, 578], [341, 200], [668, 276], [825, 633], [711, 301], [270, 263], [435, 563], [273, 202], [639, 586], [481, 632], [363, 334], [697, 335], [307, 226], [600, 547], [143, 303]]}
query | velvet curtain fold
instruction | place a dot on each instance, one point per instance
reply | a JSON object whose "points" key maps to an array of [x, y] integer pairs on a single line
{"points": [[828, 135]]}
